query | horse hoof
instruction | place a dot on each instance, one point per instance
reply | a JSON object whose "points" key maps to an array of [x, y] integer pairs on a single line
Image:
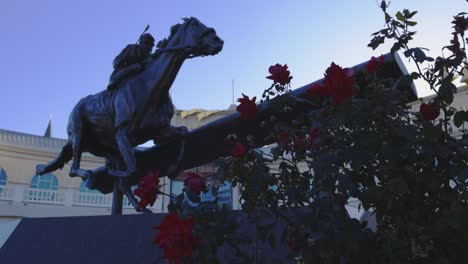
{"points": [[146, 211], [73, 173], [90, 180], [40, 169]]}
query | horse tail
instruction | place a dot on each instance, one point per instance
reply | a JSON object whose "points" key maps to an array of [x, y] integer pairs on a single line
{"points": [[65, 155]]}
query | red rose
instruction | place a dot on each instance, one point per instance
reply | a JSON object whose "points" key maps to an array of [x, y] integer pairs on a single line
{"points": [[247, 107], [317, 90], [298, 143], [429, 111], [374, 64], [339, 83], [148, 189], [279, 74], [460, 24], [195, 182], [175, 237], [239, 150], [283, 138]]}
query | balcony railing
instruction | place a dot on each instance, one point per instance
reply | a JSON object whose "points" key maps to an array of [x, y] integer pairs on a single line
{"points": [[92, 199], [127, 204], [62, 196], [34, 195], [6, 193]]}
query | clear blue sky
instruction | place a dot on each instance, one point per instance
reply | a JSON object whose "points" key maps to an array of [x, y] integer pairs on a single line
{"points": [[55, 52]]}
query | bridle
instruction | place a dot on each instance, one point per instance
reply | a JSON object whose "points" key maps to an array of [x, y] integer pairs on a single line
{"points": [[192, 51]]}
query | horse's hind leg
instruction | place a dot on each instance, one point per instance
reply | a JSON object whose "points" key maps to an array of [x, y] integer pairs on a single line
{"points": [[75, 170], [64, 156]]}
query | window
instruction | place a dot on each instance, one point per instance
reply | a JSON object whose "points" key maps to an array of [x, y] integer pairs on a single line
{"points": [[85, 189], [3, 177], [47, 181], [87, 196], [176, 189], [223, 195], [42, 188]]}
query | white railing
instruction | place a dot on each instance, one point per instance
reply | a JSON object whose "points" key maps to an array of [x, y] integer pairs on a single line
{"points": [[6, 193], [63, 196], [126, 203], [92, 199], [34, 195]]}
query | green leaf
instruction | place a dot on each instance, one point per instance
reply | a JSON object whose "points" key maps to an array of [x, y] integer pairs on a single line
{"points": [[446, 91], [410, 15], [408, 52], [390, 152], [399, 186], [271, 240], [419, 55], [373, 194], [400, 16], [411, 23], [415, 75], [284, 233], [376, 41], [464, 196], [463, 175], [433, 132], [459, 118]]}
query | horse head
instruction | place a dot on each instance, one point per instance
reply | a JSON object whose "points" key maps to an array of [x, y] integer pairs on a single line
{"points": [[194, 38]]}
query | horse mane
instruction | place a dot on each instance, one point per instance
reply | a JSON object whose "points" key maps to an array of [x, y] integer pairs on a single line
{"points": [[163, 43]]}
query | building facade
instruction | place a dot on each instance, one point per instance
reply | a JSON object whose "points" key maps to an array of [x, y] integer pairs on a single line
{"points": [[24, 194]]}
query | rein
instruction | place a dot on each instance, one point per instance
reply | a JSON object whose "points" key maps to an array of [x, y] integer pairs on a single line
{"points": [[192, 53], [190, 49]]}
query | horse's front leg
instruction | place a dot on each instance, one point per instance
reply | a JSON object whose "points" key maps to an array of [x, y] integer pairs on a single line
{"points": [[127, 153], [171, 132], [124, 187]]}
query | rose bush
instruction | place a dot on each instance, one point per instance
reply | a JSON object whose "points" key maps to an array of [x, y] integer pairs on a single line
{"points": [[363, 147], [374, 152]]}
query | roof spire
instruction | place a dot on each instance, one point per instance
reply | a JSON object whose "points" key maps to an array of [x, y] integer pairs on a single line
{"points": [[48, 132]]}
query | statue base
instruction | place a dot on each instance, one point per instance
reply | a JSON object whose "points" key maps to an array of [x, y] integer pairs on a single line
{"points": [[115, 239]]}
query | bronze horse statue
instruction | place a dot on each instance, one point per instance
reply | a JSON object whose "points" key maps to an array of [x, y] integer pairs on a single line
{"points": [[111, 124]]}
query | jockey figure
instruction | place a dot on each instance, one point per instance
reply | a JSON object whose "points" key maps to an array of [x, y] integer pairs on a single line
{"points": [[131, 60]]}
